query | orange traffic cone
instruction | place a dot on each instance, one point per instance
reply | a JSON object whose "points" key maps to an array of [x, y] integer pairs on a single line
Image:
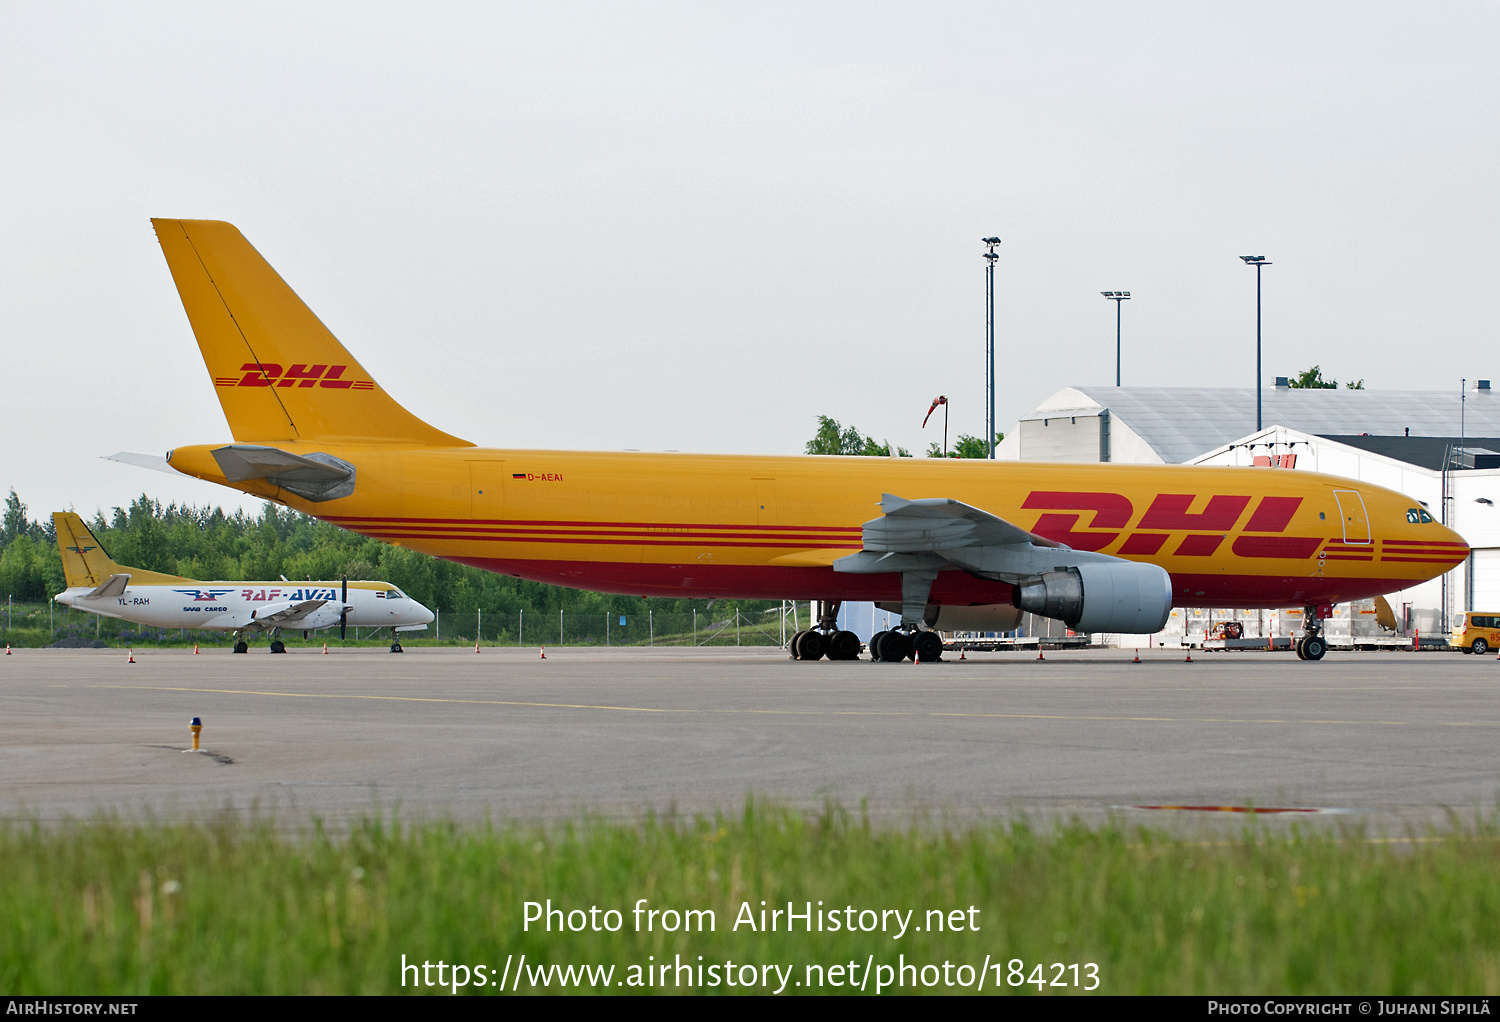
{"points": [[961, 655], [544, 652], [132, 657], [195, 649], [325, 649], [476, 645], [1189, 657], [1137, 657], [7, 649], [1039, 653]]}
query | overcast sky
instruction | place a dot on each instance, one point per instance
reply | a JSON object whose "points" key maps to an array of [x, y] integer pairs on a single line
{"points": [[698, 226]]}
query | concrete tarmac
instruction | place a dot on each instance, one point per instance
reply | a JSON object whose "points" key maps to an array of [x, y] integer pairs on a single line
{"points": [[1388, 740]]}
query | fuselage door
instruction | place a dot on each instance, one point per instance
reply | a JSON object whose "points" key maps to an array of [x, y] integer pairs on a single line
{"points": [[486, 489], [1352, 511], [765, 502]]}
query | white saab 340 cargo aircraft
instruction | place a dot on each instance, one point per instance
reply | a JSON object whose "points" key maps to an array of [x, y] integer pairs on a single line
{"points": [[100, 586]]}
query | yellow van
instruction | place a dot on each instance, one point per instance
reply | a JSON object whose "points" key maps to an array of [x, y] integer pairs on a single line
{"points": [[1476, 632]]}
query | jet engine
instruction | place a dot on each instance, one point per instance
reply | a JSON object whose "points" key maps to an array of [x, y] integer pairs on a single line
{"points": [[1117, 596]]}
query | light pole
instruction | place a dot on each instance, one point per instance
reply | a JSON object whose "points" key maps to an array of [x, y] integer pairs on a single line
{"points": [[1257, 262], [989, 343], [1117, 297]]}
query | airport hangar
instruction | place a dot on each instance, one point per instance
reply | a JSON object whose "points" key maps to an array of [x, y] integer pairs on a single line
{"points": [[1397, 439]]}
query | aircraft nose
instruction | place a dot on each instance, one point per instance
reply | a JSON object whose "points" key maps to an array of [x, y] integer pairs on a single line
{"points": [[425, 617]]}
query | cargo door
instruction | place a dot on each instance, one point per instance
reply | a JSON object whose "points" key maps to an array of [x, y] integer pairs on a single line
{"points": [[486, 489], [1352, 511], [765, 501]]}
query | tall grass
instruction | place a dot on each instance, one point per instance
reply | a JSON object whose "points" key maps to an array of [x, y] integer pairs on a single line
{"points": [[236, 906]]}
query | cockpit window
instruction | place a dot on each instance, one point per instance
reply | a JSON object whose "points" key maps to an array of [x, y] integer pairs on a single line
{"points": [[394, 594], [1418, 515]]}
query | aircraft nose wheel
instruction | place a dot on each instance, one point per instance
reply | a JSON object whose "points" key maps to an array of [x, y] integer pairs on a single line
{"points": [[241, 646], [1311, 647], [396, 648]]}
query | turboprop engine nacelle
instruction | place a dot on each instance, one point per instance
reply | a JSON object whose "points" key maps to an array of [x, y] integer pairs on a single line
{"points": [[1120, 596]]}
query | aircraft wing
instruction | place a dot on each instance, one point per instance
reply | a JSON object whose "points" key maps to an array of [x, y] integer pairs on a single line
{"points": [[113, 587], [938, 523], [935, 533], [283, 613]]}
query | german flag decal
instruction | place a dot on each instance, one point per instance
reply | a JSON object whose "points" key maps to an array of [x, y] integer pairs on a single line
{"points": [[518, 475]]}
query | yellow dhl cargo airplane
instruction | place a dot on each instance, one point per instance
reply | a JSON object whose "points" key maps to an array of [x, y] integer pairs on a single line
{"points": [[969, 544]]}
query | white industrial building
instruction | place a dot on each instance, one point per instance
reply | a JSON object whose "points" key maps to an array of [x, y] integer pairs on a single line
{"points": [[1396, 439]]}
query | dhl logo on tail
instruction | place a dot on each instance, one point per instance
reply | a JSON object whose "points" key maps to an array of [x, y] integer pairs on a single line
{"points": [[269, 374]]}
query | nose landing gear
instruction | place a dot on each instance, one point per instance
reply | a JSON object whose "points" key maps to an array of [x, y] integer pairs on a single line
{"points": [[396, 642], [1312, 645]]}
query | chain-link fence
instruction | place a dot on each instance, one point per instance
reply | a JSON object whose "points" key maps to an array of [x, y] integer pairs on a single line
{"points": [[42, 624], [565, 628]]}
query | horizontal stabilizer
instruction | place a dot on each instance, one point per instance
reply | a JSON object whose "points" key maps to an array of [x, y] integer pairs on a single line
{"points": [[152, 461], [115, 586], [315, 477]]}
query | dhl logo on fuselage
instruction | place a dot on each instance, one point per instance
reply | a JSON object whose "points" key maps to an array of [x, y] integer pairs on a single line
{"points": [[1169, 514], [270, 374]]}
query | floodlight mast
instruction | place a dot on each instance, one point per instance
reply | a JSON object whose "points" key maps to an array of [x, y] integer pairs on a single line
{"points": [[1257, 262], [989, 343], [1117, 297]]}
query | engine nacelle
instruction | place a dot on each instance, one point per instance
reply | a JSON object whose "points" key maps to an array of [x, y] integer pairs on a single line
{"points": [[1117, 596], [983, 617]]}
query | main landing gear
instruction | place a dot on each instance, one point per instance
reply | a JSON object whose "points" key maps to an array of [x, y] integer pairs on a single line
{"points": [[826, 638], [1312, 645], [896, 645]]}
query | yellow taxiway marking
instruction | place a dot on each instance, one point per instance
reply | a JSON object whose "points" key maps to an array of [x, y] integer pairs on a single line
{"points": [[804, 713]]}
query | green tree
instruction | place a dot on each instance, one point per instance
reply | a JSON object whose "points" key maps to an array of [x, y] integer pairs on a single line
{"points": [[1312, 379], [832, 438], [966, 447], [1356, 384]]}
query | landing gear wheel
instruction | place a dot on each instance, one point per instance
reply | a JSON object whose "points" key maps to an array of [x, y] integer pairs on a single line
{"points": [[844, 646], [928, 646], [1480, 647], [811, 646], [1297, 648], [241, 646], [895, 647], [396, 648], [277, 646], [793, 645], [1313, 647], [875, 643]]}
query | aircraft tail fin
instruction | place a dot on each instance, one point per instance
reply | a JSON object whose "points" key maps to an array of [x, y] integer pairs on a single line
{"points": [[279, 372], [85, 562]]}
